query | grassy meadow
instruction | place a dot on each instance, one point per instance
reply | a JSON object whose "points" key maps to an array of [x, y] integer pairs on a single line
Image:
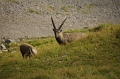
{"points": [[94, 57]]}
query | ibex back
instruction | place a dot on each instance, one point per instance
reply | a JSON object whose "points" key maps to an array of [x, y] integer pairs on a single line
{"points": [[27, 50], [64, 38]]}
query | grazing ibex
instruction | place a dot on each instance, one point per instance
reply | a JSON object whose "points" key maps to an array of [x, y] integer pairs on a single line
{"points": [[27, 50], [64, 38]]}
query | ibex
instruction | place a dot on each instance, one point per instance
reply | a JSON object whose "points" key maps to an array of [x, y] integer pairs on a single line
{"points": [[27, 50], [64, 38]]}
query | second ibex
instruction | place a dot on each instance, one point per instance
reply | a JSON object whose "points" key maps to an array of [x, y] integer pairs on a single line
{"points": [[64, 38]]}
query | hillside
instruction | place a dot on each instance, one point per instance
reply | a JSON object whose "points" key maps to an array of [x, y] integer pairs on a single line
{"points": [[94, 57], [31, 18]]}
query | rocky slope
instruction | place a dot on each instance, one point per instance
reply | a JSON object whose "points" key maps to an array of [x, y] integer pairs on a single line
{"points": [[31, 18]]}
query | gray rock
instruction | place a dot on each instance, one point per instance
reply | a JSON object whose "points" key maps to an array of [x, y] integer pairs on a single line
{"points": [[8, 41], [2, 47]]}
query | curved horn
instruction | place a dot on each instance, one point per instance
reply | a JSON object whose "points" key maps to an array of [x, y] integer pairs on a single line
{"points": [[53, 23], [62, 23]]}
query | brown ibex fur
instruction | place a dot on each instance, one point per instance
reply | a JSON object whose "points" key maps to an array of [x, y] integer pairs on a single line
{"points": [[27, 50], [64, 38]]}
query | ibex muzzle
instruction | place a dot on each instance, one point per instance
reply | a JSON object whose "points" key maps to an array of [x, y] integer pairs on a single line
{"points": [[64, 38]]}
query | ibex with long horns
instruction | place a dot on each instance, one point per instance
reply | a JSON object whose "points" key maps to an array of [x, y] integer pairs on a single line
{"points": [[64, 38], [27, 50]]}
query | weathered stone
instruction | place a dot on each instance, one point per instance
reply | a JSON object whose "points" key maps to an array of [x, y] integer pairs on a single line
{"points": [[8, 41], [2, 47]]}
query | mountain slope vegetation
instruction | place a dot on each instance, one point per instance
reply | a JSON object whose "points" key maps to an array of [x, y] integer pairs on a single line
{"points": [[94, 57]]}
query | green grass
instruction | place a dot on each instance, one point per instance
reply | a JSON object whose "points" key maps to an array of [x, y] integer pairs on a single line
{"points": [[65, 9], [14, 1], [94, 57], [77, 30], [52, 7], [33, 11]]}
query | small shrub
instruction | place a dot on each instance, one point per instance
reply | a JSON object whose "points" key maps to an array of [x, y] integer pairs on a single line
{"points": [[96, 29], [37, 12], [69, 6], [31, 11], [14, 1], [78, 8], [64, 9], [52, 7], [117, 34]]}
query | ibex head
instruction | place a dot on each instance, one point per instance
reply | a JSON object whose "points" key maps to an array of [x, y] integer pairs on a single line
{"points": [[58, 32], [64, 38]]}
